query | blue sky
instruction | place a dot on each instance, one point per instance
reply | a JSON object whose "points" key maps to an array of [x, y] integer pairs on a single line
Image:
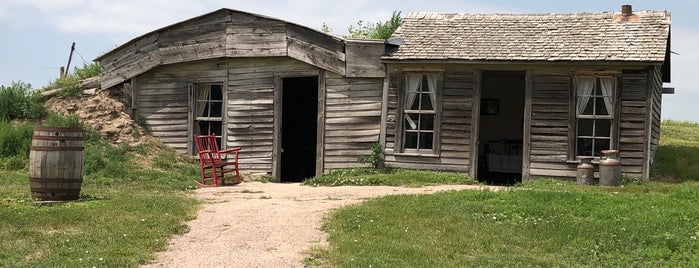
{"points": [[37, 34]]}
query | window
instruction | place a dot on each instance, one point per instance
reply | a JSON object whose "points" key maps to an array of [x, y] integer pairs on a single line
{"points": [[208, 109], [595, 101], [420, 108]]}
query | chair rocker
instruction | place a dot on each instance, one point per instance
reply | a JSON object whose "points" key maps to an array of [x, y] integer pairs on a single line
{"points": [[216, 165]]}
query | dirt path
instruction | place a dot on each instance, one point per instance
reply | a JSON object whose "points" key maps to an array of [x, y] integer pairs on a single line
{"points": [[265, 224]]}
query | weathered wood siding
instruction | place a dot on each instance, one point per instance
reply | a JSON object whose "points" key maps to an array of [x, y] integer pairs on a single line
{"points": [[550, 120], [656, 94], [163, 99], [352, 119], [223, 33], [457, 96], [163, 103], [251, 108], [632, 125]]}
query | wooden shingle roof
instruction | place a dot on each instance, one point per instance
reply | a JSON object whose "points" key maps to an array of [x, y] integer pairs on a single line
{"points": [[607, 36]]}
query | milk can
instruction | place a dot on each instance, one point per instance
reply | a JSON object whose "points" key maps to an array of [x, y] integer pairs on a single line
{"points": [[586, 172], [610, 168]]}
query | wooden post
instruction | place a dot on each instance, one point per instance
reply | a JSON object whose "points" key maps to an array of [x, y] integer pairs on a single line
{"points": [[70, 57]]}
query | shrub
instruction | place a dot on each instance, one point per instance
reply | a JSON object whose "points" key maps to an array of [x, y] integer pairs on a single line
{"points": [[71, 82], [376, 157], [18, 101], [15, 140]]}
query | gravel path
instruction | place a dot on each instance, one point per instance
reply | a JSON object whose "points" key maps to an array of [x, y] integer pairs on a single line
{"points": [[258, 224]]}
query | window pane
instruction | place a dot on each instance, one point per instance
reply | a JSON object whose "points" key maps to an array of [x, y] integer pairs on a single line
{"points": [[411, 121], [584, 147], [216, 92], [603, 128], [426, 102], [601, 144], [425, 140], [426, 122], [588, 106], [416, 102], [425, 85], [601, 107], [410, 140], [585, 127]]}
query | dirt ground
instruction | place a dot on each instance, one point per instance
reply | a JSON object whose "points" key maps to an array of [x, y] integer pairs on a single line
{"points": [[257, 224]]}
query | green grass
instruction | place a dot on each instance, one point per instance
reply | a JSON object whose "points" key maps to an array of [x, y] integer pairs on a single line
{"points": [[128, 209], [542, 223], [536, 226], [678, 155], [390, 177]]}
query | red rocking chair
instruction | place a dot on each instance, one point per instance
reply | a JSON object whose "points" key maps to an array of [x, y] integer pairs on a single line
{"points": [[216, 166]]}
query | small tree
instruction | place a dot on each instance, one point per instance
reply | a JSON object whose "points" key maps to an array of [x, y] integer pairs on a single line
{"points": [[379, 30]]}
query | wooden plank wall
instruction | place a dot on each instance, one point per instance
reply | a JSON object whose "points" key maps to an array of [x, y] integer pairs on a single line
{"points": [[455, 128], [225, 33], [250, 108], [163, 99], [352, 119], [549, 125], [656, 87], [632, 127], [163, 103]]}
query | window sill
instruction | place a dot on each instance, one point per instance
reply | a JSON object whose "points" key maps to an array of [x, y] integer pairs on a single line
{"points": [[417, 155], [594, 161]]}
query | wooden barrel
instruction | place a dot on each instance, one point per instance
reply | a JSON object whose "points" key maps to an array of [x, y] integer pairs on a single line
{"points": [[56, 163]]}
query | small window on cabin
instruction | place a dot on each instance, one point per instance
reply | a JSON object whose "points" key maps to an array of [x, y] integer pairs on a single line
{"points": [[419, 113], [594, 115], [209, 110]]}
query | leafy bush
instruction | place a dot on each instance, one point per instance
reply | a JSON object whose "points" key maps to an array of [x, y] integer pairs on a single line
{"points": [[71, 82], [379, 30], [15, 140], [376, 157], [57, 120], [18, 101]]}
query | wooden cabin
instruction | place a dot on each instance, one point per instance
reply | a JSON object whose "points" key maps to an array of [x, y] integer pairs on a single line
{"points": [[500, 97], [296, 100], [514, 97]]}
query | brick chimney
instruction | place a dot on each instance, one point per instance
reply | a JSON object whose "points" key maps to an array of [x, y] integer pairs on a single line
{"points": [[626, 14], [626, 10]]}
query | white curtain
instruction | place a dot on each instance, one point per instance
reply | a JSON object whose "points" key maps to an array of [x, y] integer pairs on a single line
{"points": [[412, 85], [607, 91], [203, 93], [585, 87], [432, 87]]}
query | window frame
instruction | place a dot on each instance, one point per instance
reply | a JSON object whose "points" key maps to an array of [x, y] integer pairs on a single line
{"points": [[436, 112], [577, 117], [194, 118]]}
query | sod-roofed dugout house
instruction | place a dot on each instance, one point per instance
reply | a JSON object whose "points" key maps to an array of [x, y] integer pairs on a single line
{"points": [[503, 96], [496, 96], [296, 100]]}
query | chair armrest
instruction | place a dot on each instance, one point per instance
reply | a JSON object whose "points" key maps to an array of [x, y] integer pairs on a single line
{"points": [[236, 149]]}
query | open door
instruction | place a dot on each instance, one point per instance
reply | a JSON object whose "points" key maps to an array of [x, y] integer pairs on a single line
{"points": [[501, 127], [299, 128]]}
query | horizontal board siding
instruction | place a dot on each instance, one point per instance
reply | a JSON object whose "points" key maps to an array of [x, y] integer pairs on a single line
{"points": [[455, 128], [633, 114], [657, 97], [549, 126], [250, 108], [352, 119]]}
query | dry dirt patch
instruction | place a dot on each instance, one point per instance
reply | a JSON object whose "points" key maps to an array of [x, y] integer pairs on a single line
{"points": [[259, 224]]}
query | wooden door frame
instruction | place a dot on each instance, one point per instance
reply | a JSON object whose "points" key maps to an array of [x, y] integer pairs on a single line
{"points": [[320, 124]]}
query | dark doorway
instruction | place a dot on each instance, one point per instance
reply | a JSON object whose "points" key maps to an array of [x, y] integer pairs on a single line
{"points": [[501, 127], [299, 128]]}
